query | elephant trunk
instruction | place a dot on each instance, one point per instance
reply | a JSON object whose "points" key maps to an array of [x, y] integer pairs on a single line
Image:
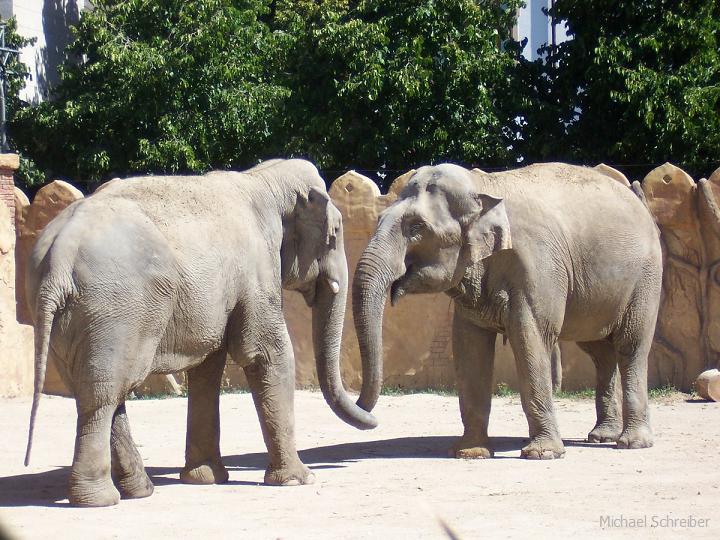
{"points": [[381, 263], [327, 324]]}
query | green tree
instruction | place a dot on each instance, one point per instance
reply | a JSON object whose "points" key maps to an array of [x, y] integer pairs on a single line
{"points": [[638, 83], [175, 86], [16, 75], [162, 86], [398, 83]]}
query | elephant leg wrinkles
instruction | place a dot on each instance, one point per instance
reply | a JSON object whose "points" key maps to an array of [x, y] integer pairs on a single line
{"points": [[532, 350], [474, 354], [203, 463], [636, 425], [90, 480], [607, 392], [632, 342], [128, 472], [271, 376]]}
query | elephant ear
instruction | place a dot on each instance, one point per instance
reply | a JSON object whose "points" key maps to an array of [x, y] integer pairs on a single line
{"points": [[319, 221], [487, 228]]}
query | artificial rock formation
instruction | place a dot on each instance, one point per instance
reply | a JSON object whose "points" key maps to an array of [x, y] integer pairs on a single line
{"points": [[30, 220], [708, 385], [16, 340], [417, 332], [687, 338]]}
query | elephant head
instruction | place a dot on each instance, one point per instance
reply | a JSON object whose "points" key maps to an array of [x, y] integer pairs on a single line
{"points": [[314, 264], [424, 243]]}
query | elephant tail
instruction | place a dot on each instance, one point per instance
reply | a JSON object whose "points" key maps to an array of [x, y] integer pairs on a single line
{"points": [[43, 326]]}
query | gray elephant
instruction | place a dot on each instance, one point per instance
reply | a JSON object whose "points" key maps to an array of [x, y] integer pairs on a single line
{"points": [[170, 273], [540, 254]]}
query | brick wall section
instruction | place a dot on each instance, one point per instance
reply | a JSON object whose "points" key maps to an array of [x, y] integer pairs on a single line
{"points": [[8, 165]]}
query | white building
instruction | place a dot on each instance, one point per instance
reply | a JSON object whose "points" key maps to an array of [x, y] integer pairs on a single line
{"points": [[48, 21], [537, 27]]}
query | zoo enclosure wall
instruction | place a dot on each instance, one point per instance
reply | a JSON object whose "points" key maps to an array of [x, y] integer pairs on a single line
{"points": [[417, 332]]}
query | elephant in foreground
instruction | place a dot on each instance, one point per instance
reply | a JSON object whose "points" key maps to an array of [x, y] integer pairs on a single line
{"points": [[544, 253], [169, 273]]}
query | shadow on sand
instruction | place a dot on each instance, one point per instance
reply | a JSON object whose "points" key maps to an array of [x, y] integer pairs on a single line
{"points": [[48, 488]]}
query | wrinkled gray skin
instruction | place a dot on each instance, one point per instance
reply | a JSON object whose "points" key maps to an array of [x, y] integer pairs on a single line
{"points": [[545, 253], [163, 274]]}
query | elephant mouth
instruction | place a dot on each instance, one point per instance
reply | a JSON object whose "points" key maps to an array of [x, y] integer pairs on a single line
{"points": [[400, 287], [419, 279], [307, 290]]}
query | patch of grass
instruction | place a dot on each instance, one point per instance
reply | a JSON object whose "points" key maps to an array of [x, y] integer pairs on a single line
{"points": [[183, 393], [230, 390], [661, 392], [400, 391], [503, 390], [584, 393], [160, 395]]}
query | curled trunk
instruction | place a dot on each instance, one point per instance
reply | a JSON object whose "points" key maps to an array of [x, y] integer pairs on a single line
{"points": [[327, 323], [380, 264]]}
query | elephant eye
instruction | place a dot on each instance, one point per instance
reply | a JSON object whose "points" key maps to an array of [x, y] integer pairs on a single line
{"points": [[416, 230]]}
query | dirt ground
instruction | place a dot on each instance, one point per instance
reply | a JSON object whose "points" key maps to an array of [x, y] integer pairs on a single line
{"points": [[392, 482]]}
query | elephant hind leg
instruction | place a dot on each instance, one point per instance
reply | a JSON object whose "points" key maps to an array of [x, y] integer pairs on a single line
{"points": [[90, 479], [608, 425], [128, 472], [203, 464], [632, 342]]}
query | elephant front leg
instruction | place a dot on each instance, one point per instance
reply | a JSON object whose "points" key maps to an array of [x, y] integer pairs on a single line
{"points": [[90, 480], [474, 354], [128, 472], [532, 358], [272, 382], [203, 464]]}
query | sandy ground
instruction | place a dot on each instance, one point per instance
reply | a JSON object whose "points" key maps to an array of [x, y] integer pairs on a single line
{"points": [[393, 482]]}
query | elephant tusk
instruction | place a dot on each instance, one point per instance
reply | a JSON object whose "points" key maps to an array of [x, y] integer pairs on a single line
{"points": [[334, 287]]}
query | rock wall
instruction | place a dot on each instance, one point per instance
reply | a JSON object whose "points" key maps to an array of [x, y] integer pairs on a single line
{"points": [[417, 332], [687, 337], [16, 340]]}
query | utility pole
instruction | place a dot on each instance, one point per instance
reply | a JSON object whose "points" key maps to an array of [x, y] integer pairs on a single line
{"points": [[5, 53]]}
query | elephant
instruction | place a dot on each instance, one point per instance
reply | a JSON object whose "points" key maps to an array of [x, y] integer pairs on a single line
{"points": [[168, 273], [539, 254]]}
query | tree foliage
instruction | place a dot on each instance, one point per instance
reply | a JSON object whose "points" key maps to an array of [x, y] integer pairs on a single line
{"points": [[162, 86], [172, 85], [16, 75], [638, 83], [184, 86], [398, 83]]}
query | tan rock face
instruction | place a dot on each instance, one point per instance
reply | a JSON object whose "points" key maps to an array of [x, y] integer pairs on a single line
{"points": [[30, 220], [417, 332], [22, 250], [708, 385], [686, 339], [16, 340]]}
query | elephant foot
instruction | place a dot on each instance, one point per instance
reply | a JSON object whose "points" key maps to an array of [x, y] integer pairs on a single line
{"points": [[98, 493], [636, 437], [209, 472], [135, 486], [605, 433], [295, 475], [543, 449], [471, 448]]}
